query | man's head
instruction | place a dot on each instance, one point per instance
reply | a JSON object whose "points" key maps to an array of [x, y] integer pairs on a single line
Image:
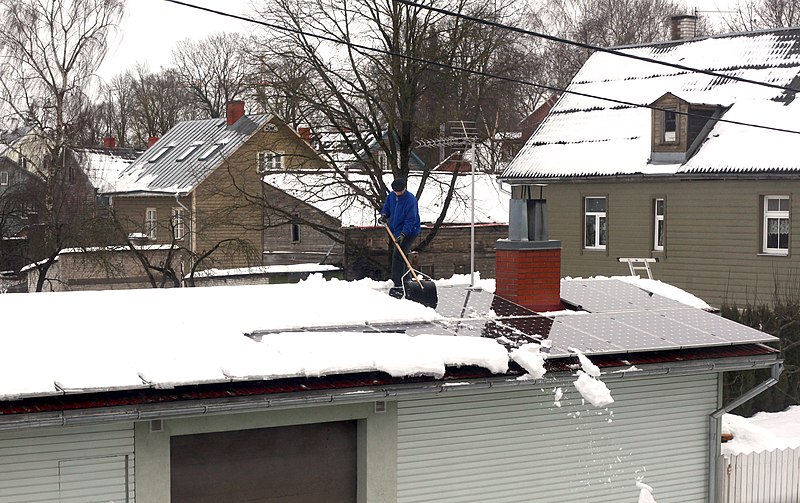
{"points": [[399, 186]]}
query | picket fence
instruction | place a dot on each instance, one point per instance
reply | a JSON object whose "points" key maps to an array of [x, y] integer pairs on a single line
{"points": [[761, 477]]}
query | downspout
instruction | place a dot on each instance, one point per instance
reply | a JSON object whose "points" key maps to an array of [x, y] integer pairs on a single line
{"points": [[189, 240], [713, 423]]}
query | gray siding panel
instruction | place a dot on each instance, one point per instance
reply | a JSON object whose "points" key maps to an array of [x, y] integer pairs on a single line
{"points": [[67, 465], [517, 446]]}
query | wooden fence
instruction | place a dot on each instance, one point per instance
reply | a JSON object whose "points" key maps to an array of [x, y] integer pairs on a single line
{"points": [[760, 477]]}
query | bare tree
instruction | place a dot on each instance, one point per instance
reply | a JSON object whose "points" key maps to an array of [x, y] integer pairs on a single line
{"points": [[763, 14], [214, 70], [50, 49], [159, 101]]}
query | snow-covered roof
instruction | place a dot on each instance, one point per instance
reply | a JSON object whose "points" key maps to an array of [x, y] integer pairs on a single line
{"points": [[187, 154], [266, 269], [104, 166], [93, 341], [331, 194], [585, 137]]}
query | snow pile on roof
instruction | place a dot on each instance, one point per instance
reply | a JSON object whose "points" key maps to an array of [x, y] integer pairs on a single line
{"points": [[103, 169], [765, 431], [584, 136], [266, 269], [657, 287], [105, 340], [340, 198]]}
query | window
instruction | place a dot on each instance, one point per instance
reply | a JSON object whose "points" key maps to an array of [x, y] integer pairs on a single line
{"points": [[670, 126], [189, 150], [150, 223], [210, 151], [658, 225], [383, 161], [177, 223], [595, 221], [3, 177], [776, 225], [270, 161], [160, 153], [295, 232]]}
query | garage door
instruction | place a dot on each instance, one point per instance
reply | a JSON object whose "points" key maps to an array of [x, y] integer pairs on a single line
{"points": [[291, 464]]}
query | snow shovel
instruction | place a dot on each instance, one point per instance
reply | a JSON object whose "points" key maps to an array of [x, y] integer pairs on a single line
{"points": [[420, 290]]}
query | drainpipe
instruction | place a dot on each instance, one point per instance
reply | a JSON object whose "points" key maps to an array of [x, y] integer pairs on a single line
{"points": [[713, 423], [189, 234]]}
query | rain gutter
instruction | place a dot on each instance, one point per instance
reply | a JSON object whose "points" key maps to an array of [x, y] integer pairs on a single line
{"points": [[714, 425], [258, 403]]}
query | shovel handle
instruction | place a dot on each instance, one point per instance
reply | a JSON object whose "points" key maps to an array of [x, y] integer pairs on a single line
{"points": [[397, 245]]}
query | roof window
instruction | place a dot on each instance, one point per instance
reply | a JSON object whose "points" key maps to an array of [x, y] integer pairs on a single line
{"points": [[160, 153], [211, 150], [190, 150]]}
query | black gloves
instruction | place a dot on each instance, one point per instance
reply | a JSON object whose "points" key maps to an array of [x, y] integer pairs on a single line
{"points": [[383, 219], [400, 239]]}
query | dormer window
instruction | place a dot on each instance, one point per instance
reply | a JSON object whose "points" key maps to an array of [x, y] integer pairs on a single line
{"points": [[670, 126]]}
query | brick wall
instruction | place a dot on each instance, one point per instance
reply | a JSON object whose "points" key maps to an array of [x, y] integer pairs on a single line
{"points": [[529, 274]]}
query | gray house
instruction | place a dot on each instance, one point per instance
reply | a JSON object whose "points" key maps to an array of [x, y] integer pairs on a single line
{"points": [[705, 181], [333, 391]]}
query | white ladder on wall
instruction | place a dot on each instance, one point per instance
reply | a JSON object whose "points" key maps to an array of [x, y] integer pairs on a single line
{"points": [[639, 264]]}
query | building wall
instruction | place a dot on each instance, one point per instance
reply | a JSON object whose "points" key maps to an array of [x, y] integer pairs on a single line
{"points": [[713, 234], [369, 255], [516, 445], [315, 227], [68, 465], [130, 212]]}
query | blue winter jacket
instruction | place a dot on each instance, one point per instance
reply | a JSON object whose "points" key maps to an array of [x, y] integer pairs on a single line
{"points": [[403, 214]]}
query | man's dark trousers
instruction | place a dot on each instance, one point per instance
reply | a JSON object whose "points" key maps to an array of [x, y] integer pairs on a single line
{"points": [[398, 265]]}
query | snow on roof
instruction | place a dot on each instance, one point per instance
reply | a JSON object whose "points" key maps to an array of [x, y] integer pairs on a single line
{"points": [[657, 287], [332, 195], [197, 343], [585, 136], [765, 431], [103, 168], [266, 269]]}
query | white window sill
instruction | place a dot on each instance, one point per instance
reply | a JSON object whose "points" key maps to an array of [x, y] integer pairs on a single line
{"points": [[594, 249], [773, 254]]}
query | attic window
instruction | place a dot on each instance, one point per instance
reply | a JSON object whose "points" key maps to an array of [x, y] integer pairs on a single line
{"points": [[158, 155], [670, 126], [210, 151], [3, 177], [190, 150]]}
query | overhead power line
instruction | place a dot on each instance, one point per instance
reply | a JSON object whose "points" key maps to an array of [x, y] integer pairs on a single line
{"points": [[582, 45], [468, 70]]}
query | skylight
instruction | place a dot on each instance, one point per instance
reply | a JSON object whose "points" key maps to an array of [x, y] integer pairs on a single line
{"points": [[161, 153], [190, 150], [211, 150]]}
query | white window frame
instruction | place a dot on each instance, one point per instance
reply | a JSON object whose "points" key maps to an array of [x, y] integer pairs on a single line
{"points": [[775, 215], [211, 150], [151, 223], [598, 217], [178, 227], [270, 160], [158, 155], [675, 136], [190, 150], [383, 161], [658, 223], [3, 177]]}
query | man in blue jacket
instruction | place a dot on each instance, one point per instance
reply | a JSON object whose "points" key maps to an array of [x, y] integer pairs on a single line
{"points": [[401, 212]]}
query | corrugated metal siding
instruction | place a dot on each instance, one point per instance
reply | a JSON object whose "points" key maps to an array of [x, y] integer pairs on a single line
{"points": [[68, 465], [517, 446], [761, 477]]}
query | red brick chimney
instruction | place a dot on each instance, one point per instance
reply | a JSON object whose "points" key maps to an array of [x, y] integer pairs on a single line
{"points": [[109, 142], [528, 264], [234, 110], [304, 133], [152, 140]]}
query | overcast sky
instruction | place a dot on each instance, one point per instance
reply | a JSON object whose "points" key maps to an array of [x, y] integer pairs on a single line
{"points": [[151, 28]]}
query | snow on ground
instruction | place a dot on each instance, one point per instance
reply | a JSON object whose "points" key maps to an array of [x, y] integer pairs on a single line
{"points": [[765, 431]]}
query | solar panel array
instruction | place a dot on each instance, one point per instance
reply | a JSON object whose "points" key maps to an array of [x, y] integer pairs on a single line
{"points": [[609, 317]]}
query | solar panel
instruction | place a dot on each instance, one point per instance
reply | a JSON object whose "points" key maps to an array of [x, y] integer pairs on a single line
{"points": [[717, 325], [608, 295], [461, 302], [674, 334], [606, 328]]}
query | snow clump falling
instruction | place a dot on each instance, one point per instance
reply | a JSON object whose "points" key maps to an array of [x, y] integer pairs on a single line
{"points": [[529, 357], [557, 394], [646, 493], [589, 385]]}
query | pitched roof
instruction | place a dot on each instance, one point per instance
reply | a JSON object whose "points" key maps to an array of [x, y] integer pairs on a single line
{"points": [[104, 166], [329, 193], [187, 154], [585, 137]]}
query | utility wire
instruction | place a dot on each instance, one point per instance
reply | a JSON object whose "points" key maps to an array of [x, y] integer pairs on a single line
{"points": [[582, 45], [468, 70]]}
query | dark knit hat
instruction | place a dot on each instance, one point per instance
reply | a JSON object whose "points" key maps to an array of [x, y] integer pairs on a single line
{"points": [[399, 185]]}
